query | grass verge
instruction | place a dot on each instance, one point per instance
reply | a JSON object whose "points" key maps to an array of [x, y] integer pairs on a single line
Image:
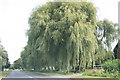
{"points": [[87, 74], [98, 73], [49, 73], [4, 74], [109, 75]]}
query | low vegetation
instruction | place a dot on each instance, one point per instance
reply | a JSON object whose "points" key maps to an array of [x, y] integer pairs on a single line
{"points": [[49, 72], [3, 74], [110, 75], [99, 74], [111, 66]]}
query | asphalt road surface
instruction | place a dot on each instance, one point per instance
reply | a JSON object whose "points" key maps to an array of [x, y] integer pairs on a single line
{"points": [[21, 74]]}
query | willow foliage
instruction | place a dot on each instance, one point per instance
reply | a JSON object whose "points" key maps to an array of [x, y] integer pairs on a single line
{"points": [[61, 35]]}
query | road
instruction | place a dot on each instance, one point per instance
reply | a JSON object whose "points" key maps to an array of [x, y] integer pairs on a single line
{"points": [[21, 74]]}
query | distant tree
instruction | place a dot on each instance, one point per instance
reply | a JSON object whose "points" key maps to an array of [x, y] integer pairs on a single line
{"points": [[106, 33], [18, 64], [4, 61], [26, 59], [12, 66]]}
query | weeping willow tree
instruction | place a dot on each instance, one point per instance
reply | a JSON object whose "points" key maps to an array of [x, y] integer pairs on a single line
{"points": [[61, 35]]}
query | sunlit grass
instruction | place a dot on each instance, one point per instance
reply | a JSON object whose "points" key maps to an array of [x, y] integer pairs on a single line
{"points": [[99, 73], [49, 73], [87, 77], [88, 73]]}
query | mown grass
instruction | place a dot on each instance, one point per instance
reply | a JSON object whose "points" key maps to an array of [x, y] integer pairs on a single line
{"points": [[96, 78], [97, 74], [83, 76], [49, 73], [89, 73], [112, 75], [100, 73], [3, 74]]}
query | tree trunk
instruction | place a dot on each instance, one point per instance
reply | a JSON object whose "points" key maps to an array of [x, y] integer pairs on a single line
{"points": [[2, 68], [74, 69]]}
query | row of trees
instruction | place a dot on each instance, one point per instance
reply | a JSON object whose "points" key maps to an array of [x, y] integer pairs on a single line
{"points": [[65, 35], [17, 64], [4, 61]]}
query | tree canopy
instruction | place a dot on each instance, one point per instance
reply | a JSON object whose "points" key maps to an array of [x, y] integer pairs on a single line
{"points": [[64, 35], [4, 61]]}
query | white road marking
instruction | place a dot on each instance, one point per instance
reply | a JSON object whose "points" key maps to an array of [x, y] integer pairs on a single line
{"points": [[28, 76]]}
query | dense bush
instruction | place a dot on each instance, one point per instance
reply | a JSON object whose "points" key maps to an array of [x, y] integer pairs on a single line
{"points": [[111, 66]]}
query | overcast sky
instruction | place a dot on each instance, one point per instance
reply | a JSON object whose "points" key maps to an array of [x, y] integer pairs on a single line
{"points": [[14, 16]]}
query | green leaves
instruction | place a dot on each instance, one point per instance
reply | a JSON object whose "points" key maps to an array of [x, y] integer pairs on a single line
{"points": [[107, 32], [18, 64], [4, 61], [111, 66], [58, 34], [62, 35]]}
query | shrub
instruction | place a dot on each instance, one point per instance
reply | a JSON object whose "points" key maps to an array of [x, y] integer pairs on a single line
{"points": [[111, 66]]}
